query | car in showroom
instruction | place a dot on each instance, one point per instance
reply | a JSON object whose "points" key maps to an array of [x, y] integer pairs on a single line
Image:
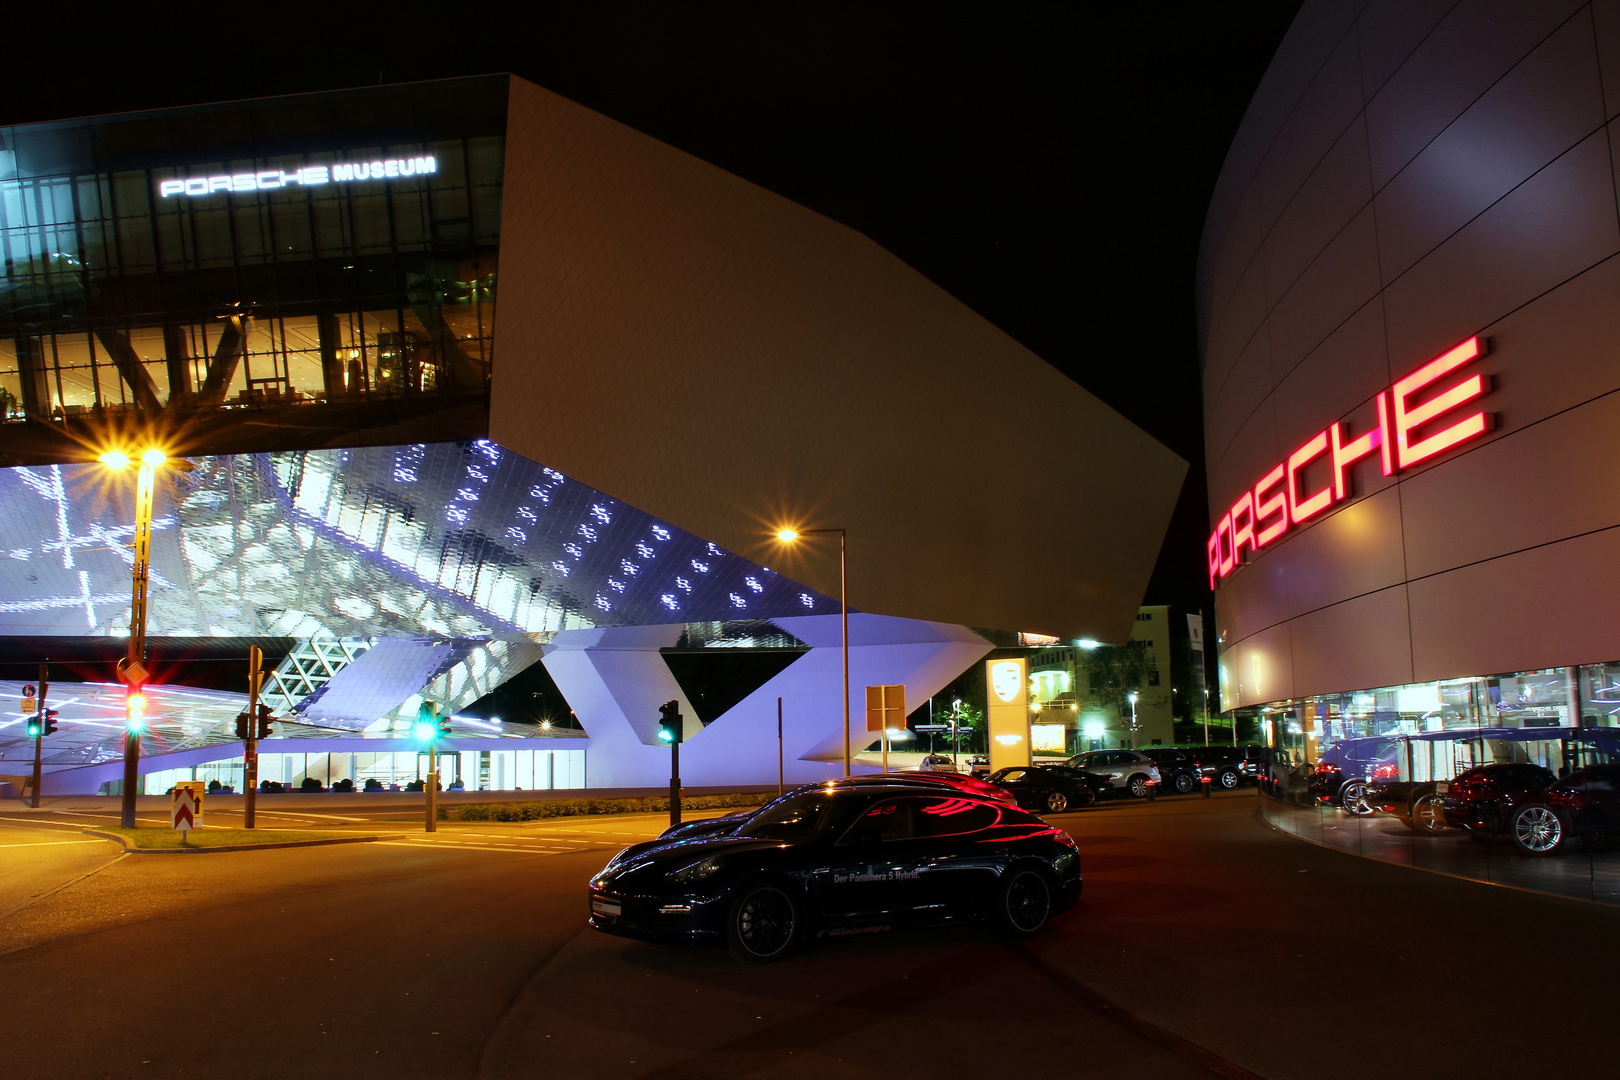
{"points": [[1344, 771], [1587, 804], [828, 860], [1128, 771], [1049, 789], [1179, 771], [1505, 797]]}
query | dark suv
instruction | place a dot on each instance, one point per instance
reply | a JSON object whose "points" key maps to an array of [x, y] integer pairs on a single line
{"points": [[1587, 805], [1222, 764], [1178, 770]]}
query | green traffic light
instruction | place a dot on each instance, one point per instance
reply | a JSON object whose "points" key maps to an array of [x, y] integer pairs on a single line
{"points": [[666, 735], [33, 729], [425, 732]]}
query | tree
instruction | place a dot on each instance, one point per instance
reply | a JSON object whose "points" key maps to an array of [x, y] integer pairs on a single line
{"points": [[1115, 672], [971, 725]]}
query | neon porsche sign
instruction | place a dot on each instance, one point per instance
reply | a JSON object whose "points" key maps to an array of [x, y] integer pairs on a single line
{"points": [[1405, 435], [309, 176]]}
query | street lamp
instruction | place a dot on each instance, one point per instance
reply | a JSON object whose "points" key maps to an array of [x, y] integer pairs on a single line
{"points": [[132, 669], [788, 536], [1135, 739]]}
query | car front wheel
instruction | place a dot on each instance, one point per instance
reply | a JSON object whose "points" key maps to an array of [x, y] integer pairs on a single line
{"points": [[1026, 902], [1056, 802], [1536, 829], [764, 923]]}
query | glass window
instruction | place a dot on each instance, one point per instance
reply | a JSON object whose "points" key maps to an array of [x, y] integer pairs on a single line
{"points": [[801, 817]]}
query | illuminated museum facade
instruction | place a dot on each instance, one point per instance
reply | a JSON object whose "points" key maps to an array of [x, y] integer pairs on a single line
{"points": [[1406, 300], [303, 299]]}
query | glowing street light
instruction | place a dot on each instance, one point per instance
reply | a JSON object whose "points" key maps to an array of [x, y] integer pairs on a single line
{"points": [[132, 668], [790, 535]]}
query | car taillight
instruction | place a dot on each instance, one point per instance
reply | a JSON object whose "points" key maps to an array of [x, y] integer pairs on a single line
{"points": [[1326, 766], [1385, 772]]}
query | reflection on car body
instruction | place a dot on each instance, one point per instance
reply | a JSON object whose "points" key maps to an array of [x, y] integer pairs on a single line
{"points": [[838, 858]]}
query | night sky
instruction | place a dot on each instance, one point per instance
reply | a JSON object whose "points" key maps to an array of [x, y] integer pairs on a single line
{"points": [[1048, 165]]}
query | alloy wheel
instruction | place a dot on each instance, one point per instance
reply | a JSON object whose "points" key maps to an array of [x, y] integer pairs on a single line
{"points": [[765, 921], [1537, 829], [1354, 798], [1029, 902], [1429, 815], [1056, 802], [1229, 780]]}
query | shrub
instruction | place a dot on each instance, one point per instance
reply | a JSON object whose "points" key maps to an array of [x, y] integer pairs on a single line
{"points": [[533, 811]]}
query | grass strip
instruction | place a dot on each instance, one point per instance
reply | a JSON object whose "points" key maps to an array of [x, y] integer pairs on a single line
{"points": [[158, 839], [534, 811]]}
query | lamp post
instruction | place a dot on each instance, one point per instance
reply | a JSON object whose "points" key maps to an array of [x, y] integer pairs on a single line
{"points": [[788, 536], [132, 668], [1136, 740]]}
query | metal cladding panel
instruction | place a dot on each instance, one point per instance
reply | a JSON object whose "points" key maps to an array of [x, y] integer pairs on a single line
{"points": [[1493, 178], [733, 363]]}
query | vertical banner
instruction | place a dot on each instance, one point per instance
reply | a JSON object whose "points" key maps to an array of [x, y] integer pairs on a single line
{"points": [[1198, 691], [1008, 699]]}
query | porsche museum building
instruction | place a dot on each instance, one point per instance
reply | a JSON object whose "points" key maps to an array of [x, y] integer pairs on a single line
{"points": [[458, 378], [1411, 342]]}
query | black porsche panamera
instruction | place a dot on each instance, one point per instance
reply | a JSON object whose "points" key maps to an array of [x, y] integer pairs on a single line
{"points": [[835, 859]]}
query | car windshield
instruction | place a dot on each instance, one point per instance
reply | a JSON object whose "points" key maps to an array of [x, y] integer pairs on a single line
{"points": [[796, 818]]}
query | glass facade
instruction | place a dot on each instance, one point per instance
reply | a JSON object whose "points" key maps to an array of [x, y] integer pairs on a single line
{"points": [[329, 259], [1511, 778], [469, 770]]}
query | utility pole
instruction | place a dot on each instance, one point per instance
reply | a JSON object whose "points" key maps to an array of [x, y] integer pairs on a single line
{"points": [[250, 743], [39, 740], [133, 667], [672, 730], [780, 774]]}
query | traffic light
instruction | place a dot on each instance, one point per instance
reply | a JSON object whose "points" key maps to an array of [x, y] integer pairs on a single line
{"points": [[242, 721], [427, 727], [135, 705], [50, 722], [444, 726], [35, 729], [671, 730], [265, 719]]}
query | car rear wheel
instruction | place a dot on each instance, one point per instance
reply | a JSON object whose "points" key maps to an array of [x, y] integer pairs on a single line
{"points": [[1536, 829], [1138, 786], [1026, 902], [1229, 779], [1353, 796], [764, 923], [1056, 802], [1184, 783], [1429, 815]]}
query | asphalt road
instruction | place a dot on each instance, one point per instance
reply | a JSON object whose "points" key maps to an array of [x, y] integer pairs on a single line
{"points": [[465, 955]]}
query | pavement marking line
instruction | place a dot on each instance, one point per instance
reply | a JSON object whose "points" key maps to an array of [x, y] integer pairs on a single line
{"points": [[1130, 1021], [43, 821], [54, 843], [420, 844]]}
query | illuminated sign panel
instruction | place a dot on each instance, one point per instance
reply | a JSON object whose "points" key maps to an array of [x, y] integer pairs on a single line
{"points": [[1279, 500], [308, 176]]}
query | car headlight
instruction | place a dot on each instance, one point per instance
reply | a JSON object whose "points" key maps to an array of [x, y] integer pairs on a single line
{"points": [[697, 871]]}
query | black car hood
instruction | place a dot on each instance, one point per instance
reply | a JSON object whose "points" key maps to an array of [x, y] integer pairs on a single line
{"points": [[658, 857]]}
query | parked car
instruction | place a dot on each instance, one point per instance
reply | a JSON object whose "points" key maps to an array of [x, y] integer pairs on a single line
{"points": [[978, 765], [1178, 770], [1222, 764], [828, 860], [937, 763], [1505, 797], [1126, 770], [1049, 789]]}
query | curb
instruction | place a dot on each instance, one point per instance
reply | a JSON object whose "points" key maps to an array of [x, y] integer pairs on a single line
{"points": [[124, 843]]}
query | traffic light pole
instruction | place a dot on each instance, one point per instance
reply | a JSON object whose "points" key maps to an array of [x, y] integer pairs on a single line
{"points": [[675, 783], [250, 743], [39, 740], [431, 788], [134, 672]]}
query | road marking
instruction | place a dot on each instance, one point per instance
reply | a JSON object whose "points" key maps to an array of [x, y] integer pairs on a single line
{"points": [[56, 843], [419, 844]]}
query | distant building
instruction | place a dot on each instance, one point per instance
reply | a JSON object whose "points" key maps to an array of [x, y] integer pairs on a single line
{"points": [[1071, 718]]}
